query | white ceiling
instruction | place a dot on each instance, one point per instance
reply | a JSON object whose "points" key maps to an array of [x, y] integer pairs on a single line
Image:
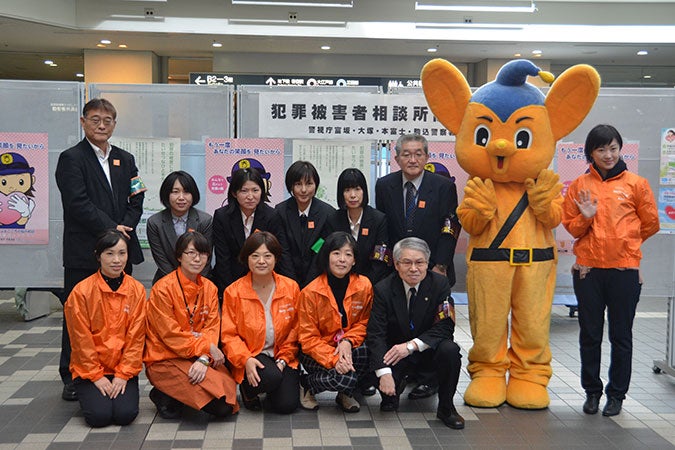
{"points": [[598, 32]]}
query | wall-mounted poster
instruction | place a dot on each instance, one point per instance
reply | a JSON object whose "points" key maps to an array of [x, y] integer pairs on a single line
{"points": [[666, 205], [24, 188], [667, 167], [225, 156], [155, 159]]}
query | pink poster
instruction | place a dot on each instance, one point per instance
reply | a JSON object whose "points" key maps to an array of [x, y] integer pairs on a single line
{"points": [[443, 161], [225, 156], [24, 188], [571, 163]]}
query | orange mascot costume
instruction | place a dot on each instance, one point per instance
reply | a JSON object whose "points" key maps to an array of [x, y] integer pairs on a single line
{"points": [[506, 135]]}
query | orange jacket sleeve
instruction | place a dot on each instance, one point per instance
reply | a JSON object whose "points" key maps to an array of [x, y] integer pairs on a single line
{"points": [[647, 211], [309, 334], [360, 304], [234, 347], [84, 359], [286, 337]]}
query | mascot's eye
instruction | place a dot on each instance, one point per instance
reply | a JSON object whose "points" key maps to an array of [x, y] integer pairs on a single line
{"points": [[523, 138], [482, 135], [20, 182]]}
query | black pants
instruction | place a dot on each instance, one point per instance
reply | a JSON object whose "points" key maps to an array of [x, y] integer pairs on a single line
{"points": [[100, 410], [619, 292], [70, 279], [447, 361], [282, 388]]}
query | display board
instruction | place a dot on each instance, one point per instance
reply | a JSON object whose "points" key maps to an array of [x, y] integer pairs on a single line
{"points": [[35, 113]]}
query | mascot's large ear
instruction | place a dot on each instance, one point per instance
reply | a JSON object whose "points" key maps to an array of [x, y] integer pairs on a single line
{"points": [[571, 98], [447, 92]]}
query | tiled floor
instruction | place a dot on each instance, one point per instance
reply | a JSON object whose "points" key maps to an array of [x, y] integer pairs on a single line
{"points": [[33, 416]]}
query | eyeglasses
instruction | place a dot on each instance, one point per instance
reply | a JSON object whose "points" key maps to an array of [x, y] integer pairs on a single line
{"points": [[408, 155], [407, 263], [193, 254], [97, 120]]}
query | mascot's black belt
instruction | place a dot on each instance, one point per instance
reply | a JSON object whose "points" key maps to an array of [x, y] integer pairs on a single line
{"points": [[515, 256]]}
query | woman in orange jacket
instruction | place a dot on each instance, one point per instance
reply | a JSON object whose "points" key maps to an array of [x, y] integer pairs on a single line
{"points": [[332, 318], [105, 314], [259, 332], [182, 358], [610, 212]]}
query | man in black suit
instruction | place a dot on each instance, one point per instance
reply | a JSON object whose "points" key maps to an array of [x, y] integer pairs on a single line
{"points": [[411, 329], [100, 190], [421, 204]]}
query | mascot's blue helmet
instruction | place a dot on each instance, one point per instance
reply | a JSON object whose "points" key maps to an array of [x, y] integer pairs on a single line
{"points": [[510, 90]]}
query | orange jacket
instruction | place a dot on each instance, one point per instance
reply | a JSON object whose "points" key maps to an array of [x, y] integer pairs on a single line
{"points": [[319, 320], [106, 328], [626, 216], [243, 323], [169, 333]]}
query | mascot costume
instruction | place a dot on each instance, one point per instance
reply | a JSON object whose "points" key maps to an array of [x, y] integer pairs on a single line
{"points": [[506, 136]]}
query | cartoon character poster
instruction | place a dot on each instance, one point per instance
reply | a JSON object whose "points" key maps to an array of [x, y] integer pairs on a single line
{"points": [[667, 167], [570, 163], [443, 161], [24, 188], [225, 156]]}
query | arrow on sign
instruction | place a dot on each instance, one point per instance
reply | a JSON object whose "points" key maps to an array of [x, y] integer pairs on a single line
{"points": [[270, 81], [199, 80]]}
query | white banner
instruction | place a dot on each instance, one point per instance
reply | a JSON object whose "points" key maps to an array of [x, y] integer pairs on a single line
{"points": [[346, 115]]}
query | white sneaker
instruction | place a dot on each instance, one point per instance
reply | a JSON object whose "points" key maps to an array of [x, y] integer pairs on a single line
{"points": [[307, 400], [347, 403]]}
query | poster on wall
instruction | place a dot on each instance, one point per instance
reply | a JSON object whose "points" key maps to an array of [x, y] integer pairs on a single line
{"points": [[226, 156], [155, 159], [570, 163], [330, 158], [667, 166], [24, 188], [666, 205], [443, 161]]}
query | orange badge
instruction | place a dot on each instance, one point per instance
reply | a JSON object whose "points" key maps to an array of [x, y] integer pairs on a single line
{"points": [[116, 162], [310, 224], [364, 231], [421, 204]]}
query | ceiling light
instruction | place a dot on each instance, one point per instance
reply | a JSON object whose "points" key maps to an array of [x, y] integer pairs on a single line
{"points": [[517, 55], [647, 77], [307, 3], [325, 47], [49, 62], [537, 52], [100, 45], [79, 75], [643, 53], [525, 6], [53, 65], [432, 50], [122, 46], [318, 23], [216, 44], [454, 26], [105, 41]]}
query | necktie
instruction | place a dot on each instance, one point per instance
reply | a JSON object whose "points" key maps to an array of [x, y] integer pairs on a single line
{"points": [[303, 228], [411, 306], [410, 204]]}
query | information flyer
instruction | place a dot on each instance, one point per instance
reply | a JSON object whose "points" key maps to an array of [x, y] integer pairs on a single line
{"points": [[155, 159], [24, 188]]}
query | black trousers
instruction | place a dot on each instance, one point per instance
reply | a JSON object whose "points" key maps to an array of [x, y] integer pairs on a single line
{"points": [[100, 410], [70, 279], [447, 361], [282, 388], [618, 291]]}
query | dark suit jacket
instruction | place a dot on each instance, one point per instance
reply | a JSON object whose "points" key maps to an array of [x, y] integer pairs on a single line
{"points": [[90, 206], [228, 239], [162, 238], [439, 195], [303, 259], [389, 322], [373, 232]]}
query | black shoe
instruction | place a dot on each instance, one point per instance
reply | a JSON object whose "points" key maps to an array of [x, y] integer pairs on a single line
{"points": [[389, 403], [167, 408], [451, 418], [591, 403], [252, 404], [612, 407], [422, 391], [368, 391], [69, 393]]}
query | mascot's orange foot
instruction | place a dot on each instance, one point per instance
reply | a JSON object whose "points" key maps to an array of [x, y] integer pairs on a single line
{"points": [[526, 395], [486, 392]]}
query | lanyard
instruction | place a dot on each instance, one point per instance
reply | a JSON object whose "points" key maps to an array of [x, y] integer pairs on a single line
{"points": [[187, 308]]}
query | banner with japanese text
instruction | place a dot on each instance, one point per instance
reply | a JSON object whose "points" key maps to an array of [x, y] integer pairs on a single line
{"points": [[24, 188], [345, 115], [225, 156]]}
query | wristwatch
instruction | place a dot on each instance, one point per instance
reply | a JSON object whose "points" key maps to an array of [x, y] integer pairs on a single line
{"points": [[410, 346]]}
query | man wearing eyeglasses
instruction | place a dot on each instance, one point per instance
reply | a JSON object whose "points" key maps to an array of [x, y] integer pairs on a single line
{"points": [[100, 190], [411, 330]]}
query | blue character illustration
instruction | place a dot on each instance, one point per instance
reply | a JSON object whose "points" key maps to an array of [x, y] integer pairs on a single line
{"points": [[16, 189]]}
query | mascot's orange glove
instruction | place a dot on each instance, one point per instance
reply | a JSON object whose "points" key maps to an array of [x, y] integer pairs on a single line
{"points": [[479, 205], [544, 197]]}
